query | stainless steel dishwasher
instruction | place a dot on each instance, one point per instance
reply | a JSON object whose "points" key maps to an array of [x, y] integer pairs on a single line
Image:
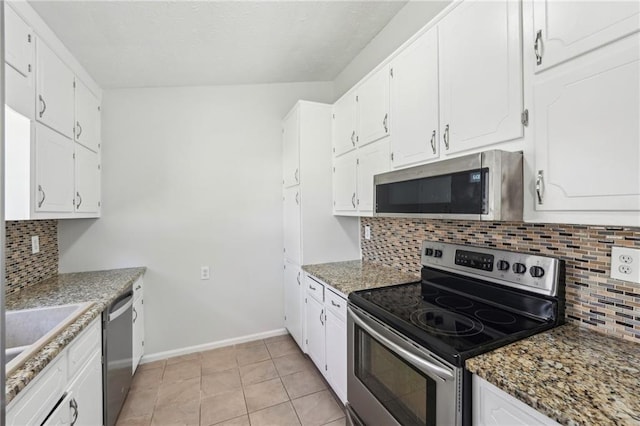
{"points": [[117, 351]]}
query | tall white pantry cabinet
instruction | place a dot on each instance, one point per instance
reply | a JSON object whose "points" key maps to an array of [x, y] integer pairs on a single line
{"points": [[312, 234]]}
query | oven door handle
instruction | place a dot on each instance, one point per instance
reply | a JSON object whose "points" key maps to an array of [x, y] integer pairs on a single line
{"points": [[412, 358]]}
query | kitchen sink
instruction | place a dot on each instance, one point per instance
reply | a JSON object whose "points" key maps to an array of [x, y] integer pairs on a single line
{"points": [[28, 330]]}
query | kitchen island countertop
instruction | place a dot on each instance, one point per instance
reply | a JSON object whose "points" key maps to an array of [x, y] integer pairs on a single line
{"points": [[356, 275], [571, 374], [98, 287]]}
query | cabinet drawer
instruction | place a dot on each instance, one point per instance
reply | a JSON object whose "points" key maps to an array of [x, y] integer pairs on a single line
{"points": [[40, 396], [336, 304], [315, 288], [85, 345], [138, 288]]}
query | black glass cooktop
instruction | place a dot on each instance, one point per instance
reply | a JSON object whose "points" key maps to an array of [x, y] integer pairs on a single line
{"points": [[454, 325]]}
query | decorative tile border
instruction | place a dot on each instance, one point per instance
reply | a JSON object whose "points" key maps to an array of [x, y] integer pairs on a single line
{"points": [[22, 267], [593, 299]]}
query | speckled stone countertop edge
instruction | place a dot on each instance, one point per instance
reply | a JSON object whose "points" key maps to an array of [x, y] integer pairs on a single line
{"points": [[29, 370]]}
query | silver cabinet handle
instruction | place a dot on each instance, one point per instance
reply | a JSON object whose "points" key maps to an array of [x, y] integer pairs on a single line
{"points": [[139, 287], [135, 313], [445, 137], [312, 287], [353, 138], [353, 200], [337, 305], [74, 405], [79, 197], [298, 278], [433, 141], [297, 198], [79, 129], [44, 106], [296, 175], [321, 314], [44, 196], [384, 123], [537, 47], [540, 186]]}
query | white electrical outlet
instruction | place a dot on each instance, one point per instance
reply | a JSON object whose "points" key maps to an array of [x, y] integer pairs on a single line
{"points": [[204, 273], [35, 244], [625, 264], [367, 232]]}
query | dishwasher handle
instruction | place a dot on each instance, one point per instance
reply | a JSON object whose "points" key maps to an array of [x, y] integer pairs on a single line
{"points": [[127, 298]]}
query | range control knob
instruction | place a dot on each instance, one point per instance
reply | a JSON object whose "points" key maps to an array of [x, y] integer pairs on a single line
{"points": [[437, 253], [536, 271], [428, 252], [503, 265], [519, 268]]}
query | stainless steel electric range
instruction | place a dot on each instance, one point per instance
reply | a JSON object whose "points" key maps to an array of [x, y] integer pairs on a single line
{"points": [[407, 344]]}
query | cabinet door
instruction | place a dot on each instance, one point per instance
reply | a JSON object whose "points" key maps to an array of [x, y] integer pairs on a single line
{"points": [[480, 74], [414, 101], [62, 414], [566, 29], [336, 344], [292, 199], [18, 48], [54, 171], [138, 332], [344, 183], [87, 125], [587, 116], [372, 160], [373, 107], [293, 301], [315, 332], [87, 177], [291, 148], [344, 124], [86, 393], [54, 91]]}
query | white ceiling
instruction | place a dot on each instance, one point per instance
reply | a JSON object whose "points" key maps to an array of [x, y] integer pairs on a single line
{"points": [[178, 43]]}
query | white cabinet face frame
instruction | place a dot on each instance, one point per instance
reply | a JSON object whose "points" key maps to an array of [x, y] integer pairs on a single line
{"points": [[586, 132], [291, 148], [54, 172], [481, 81], [415, 102], [345, 124], [345, 183], [374, 121], [566, 29], [372, 160]]}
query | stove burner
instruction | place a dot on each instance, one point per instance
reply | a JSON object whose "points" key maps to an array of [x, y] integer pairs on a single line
{"points": [[496, 317], [454, 302], [446, 323]]}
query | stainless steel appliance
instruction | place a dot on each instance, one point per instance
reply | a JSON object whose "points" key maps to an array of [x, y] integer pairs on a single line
{"points": [[117, 352], [482, 186], [407, 343]]}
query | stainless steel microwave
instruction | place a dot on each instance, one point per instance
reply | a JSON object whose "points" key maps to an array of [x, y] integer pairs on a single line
{"points": [[483, 186]]}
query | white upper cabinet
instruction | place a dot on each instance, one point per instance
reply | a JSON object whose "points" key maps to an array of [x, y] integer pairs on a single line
{"points": [[587, 150], [18, 42], [87, 125], [566, 29], [291, 148], [87, 179], [292, 225], [480, 74], [372, 160], [414, 101], [53, 172], [344, 183], [345, 137], [54, 91], [373, 107]]}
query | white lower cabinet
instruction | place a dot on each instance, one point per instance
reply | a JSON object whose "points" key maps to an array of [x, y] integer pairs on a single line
{"points": [[74, 392], [138, 323], [326, 333], [494, 407], [293, 301]]}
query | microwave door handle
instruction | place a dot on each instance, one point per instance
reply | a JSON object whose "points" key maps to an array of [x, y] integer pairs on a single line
{"points": [[413, 359]]}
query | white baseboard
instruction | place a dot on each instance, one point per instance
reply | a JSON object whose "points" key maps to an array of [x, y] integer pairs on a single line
{"points": [[213, 345]]}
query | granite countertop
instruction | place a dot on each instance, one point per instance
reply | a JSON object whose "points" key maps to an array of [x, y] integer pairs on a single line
{"points": [[99, 287], [571, 374], [358, 275]]}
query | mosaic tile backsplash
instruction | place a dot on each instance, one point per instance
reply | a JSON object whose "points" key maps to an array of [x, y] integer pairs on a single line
{"points": [[22, 267], [593, 299]]}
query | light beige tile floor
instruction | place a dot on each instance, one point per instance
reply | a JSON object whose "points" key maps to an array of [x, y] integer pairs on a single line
{"points": [[265, 382]]}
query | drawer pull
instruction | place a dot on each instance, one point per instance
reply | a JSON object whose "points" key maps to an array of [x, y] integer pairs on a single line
{"points": [[312, 287], [337, 305]]}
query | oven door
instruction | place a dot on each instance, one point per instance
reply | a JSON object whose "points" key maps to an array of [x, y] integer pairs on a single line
{"points": [[391, 380]]}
